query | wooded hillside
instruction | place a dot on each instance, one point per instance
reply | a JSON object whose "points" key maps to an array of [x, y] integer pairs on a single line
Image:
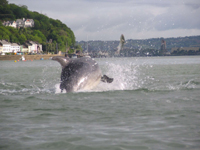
{"points": [[44, 29]]}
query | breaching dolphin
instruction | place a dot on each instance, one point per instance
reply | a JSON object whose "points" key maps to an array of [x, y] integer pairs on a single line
{"points": [[121, 44], [80, 73]]}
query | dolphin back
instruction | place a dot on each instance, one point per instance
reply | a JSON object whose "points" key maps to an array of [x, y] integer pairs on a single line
{"points": [[62, 60]]}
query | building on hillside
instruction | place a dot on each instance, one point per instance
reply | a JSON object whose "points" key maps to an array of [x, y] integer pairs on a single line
{"points": [[6, 23], [29, 23], [24, 23], [20, 23], [10, 23], [13, 24]]}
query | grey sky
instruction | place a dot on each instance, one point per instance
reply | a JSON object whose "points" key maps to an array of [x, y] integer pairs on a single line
{"points": [[108, 19]]}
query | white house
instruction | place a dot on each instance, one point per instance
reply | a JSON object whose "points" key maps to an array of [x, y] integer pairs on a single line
{"points": [[29, 23], [5, 46], [13, 24], [25, 48], [20, 23], [6, 23], [10, 23], [32, 47], [39, 47], [14, 48]]}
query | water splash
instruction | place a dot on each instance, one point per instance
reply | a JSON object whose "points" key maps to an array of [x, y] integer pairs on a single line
{"points": [[186, 85], [125, 77]]}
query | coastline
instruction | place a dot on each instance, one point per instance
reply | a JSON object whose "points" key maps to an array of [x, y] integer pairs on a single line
{"points": [[27, 57]]}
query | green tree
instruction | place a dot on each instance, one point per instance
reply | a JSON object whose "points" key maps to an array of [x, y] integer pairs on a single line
{"points": [[36, 24], [3, 2], [40, 35], [22, 38], [53, 35], [78, 47], [6, 37], [19, 12], [13, 39]]}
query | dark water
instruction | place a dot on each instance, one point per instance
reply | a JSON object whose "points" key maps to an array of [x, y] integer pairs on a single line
{"points": [[153, 104]]}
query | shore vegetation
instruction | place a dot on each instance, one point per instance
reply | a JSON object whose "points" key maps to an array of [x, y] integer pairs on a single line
{"points": [[51, 33]]}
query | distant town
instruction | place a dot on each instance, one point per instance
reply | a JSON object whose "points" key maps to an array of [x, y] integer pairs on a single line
{"points": [[144, 47]]}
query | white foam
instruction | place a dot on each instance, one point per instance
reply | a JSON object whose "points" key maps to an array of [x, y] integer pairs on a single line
{"points": [[125, 77], [58, 90]]}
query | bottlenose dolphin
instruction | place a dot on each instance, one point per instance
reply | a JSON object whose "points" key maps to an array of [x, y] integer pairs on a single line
{"points": [[121, 44], [80, 73]]}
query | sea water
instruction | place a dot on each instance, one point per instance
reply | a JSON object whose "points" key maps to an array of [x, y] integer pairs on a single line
{"points": [[152, 104]]}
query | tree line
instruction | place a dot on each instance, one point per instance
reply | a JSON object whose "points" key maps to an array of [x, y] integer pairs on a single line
{"points": [[45, 29]]}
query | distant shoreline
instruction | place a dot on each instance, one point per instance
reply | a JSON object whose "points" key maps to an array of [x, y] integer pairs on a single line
{"points": [[48, 56], [27, 57]]}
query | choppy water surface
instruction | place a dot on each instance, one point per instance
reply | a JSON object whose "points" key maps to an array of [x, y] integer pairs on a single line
{"points": [[153, 103]]}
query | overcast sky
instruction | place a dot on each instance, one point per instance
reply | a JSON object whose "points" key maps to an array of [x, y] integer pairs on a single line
{"points": [[108, 19]]}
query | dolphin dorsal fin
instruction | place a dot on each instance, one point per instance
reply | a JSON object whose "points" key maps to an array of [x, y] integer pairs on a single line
{"points": [[62, 60]]}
